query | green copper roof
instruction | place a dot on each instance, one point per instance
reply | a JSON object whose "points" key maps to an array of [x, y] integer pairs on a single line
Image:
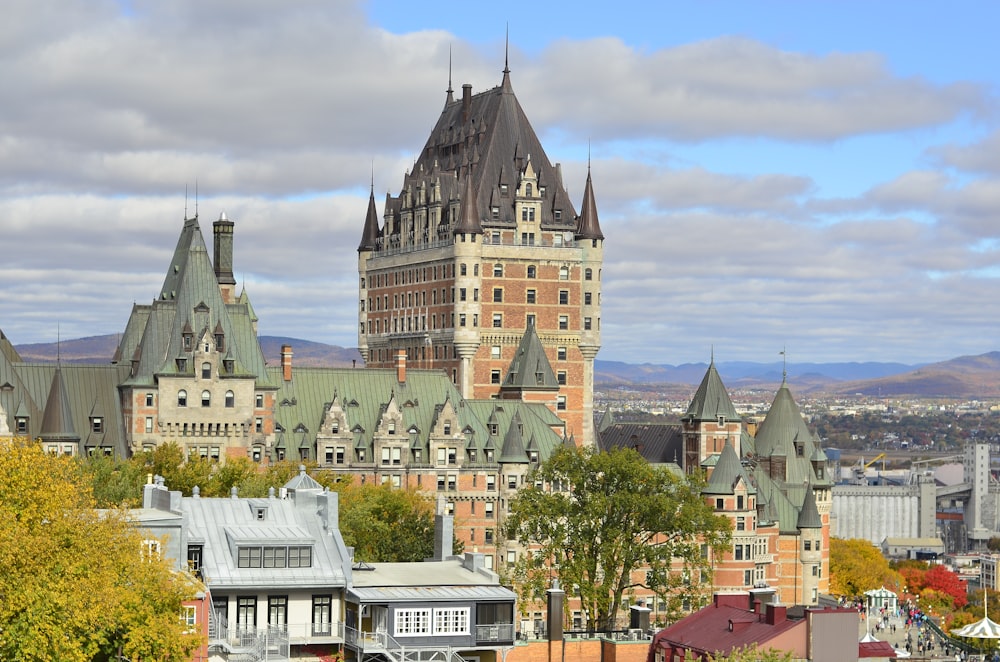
{"points": [[513, 444], [57, 422], [530, 368], [711, 401], [727, 473], [784, 434], [809, 514]]}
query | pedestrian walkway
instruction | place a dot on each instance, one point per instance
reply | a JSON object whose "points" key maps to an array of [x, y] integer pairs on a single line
{"points": [[921, 643]]}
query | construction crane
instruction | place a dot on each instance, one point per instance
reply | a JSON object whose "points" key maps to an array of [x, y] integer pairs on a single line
{"points": [[861, 467]]}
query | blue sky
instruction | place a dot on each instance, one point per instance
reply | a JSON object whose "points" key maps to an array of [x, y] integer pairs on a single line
{"points": [[821, 176]]}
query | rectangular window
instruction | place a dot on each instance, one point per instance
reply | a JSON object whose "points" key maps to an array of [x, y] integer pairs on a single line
{"points": [[412, 622], [561, 377], [246, 612], [452, 483], [300, 557], [561, 403], [563, 273], [451, 621], [149, 399], [563, 322], [530, 296], [275, 557], [561, 353], [741, 524], [248, 557], [495, 352], [489, 537], [149, 424], [563, 297], [461, 294], [277, 610], [497, 320], [586, 298], [491, 482], [488, 510], [497, 295], [322, 615], [498, 270], [259, 401], [586, 324], [494, 376]]}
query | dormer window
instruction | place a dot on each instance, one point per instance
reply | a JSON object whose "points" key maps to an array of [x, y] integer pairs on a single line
{"points": [[528, 190], [97, 424], [228, 365], [188, 339], [447, 427], [219, 342], [503, 189], [392, 427], [181, 365], [21, 425], [335, 428]]}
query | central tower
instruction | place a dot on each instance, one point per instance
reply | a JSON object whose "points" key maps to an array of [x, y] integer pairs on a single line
{"points": [[481, 242]]}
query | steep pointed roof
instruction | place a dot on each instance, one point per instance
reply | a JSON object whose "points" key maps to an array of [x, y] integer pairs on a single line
{"points": [[491, 131], [369, 236], [589, 227], [190, 304], [513, 451], [530, 368], [784, 433], [57, 421], [469, 219], [711, 400], [809, 515], [727, 473]]}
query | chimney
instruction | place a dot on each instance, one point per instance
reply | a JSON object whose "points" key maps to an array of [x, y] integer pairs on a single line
{"points": [[401, 366], [466, 102], [444, 532], [775, 614], [222, 233], [286, 362]]}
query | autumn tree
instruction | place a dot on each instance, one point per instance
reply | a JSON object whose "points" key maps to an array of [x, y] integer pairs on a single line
{"points": [[606, 523], [857, 566], [751, 653], [74, 585]]}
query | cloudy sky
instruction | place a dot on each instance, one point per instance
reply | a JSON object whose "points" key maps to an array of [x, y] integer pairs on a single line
{"points": [[821, 176]]}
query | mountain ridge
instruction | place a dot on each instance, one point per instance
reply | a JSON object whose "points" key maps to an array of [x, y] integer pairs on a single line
{"points": [[973, 376]]}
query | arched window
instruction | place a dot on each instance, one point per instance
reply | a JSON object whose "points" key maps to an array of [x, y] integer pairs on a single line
{"points": [[182, 398], [230, 399], [531, 271], [588, 274], [206, 398], [206, 370]]}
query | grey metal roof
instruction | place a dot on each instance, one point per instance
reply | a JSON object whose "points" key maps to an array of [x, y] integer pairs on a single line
{"points": [[428, 593], [530, 368], [221, 522], [659, 443], [784, 433], [57, 421]]}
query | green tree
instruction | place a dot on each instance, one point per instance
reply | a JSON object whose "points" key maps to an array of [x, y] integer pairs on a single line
{"points": [[751, 653], [857, 566], [386, 524], [73, 583], [608, 523]]}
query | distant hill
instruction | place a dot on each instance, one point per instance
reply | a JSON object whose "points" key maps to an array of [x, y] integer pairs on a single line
{"points": [[965, 377]]}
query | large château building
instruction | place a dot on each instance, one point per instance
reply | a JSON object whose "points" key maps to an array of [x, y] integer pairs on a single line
{"points": [[482, 243]]}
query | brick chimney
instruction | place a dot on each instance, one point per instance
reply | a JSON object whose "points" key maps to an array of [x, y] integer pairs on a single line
{"points": [[401, 366], [286, 362]]}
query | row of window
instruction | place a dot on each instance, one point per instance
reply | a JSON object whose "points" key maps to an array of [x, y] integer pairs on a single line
{"points": [[291, 556], [206, 398], [277, 612], [431, 622], [445, 271]]}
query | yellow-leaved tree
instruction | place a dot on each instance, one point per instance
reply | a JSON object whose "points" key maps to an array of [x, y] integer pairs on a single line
{"points": [[857, 566], [74, 583]]}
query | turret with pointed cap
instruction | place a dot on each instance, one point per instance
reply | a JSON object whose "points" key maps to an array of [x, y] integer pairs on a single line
{"points": [[710, 421], [589, 227], [369, 236], [57, 422]]}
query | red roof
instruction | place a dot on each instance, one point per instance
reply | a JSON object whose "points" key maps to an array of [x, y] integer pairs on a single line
{"points": [[876, 649], [724, 626]]}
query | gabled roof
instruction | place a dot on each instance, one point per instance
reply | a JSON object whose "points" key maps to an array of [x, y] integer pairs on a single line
{"points": [[530, 368], [658, 443], [711, 400]]}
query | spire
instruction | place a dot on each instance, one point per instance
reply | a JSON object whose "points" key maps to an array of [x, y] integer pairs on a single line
{"points": [[506, 61], [468, 219], [513, 443], [451, 96], [369, 236], [57, 422], [589, 227], [809, 515]]}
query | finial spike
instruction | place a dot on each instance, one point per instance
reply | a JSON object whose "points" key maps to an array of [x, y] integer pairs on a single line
{"points": [[196, 197], [784, 364], [506, 50], [373, 177], [185, 201], [58, 345]]}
